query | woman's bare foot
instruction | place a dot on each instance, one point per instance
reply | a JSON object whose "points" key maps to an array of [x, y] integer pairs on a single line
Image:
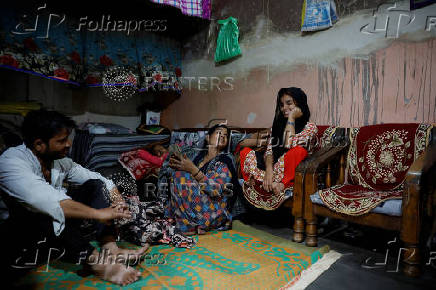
{"points": [[116, 273], [127, 255], [278, 187]]}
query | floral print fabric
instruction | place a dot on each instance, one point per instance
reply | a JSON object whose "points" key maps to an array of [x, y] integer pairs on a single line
{"points": [[197, 207]]}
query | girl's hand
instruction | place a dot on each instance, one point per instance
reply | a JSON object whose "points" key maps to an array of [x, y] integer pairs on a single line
{"points": [[268, 180], [184, 164], [295, 113]]}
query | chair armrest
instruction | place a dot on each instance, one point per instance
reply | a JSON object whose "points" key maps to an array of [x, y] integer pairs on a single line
{"points": [[421, 166], [310, 176], [412, 207], [324, 156]]}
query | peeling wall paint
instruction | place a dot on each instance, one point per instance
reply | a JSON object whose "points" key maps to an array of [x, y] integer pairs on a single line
{"points": [[345, 38], [351, 78], [395, 84]]}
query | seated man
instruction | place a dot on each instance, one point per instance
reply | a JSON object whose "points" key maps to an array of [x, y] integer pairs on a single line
{"points": [[44, 215]]}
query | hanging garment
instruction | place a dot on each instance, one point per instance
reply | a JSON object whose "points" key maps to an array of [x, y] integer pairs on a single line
{"points": [[318, 15]]}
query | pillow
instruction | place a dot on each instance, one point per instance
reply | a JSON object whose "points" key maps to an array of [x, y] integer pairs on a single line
{"points": [[105, 128], [190, 142], [137, 167]]}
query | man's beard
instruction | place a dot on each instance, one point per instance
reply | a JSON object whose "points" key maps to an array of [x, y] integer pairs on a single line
{"points": [[54, 155]]}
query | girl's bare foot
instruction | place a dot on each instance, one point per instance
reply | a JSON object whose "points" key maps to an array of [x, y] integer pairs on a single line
{"points": [[278, 187]]}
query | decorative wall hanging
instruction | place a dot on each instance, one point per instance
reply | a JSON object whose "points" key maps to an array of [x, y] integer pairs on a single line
{"points": [[59, 50]]}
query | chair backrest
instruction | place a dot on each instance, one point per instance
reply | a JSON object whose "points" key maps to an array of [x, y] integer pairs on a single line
{"points": [[327, 135], [380, 155]]}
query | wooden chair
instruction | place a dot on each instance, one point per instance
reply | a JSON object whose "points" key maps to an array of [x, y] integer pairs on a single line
{"points": [[383, 162], [327, 136]]}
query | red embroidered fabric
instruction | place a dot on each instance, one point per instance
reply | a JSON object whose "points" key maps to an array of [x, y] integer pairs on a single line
{"points": [[378, 160], [140, 163], [381, 155], [355, 200], [283, 169], [305, 138], [323, 136]]}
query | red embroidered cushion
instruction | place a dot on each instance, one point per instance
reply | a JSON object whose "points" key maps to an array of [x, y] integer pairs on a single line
{"points": [[380, 155], [136, 166], [323, 136], [355, 200]]}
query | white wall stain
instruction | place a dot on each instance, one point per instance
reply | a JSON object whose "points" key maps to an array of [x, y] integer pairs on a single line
{"points": [[281, 51], [251, 117]]}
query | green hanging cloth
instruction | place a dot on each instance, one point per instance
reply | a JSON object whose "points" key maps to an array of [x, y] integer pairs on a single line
{"points": [[227, 43]]}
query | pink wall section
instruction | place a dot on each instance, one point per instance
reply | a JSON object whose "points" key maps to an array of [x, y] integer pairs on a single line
{"points": [[395, 84]]}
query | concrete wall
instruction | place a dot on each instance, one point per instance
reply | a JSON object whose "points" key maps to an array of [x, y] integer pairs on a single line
{"points": [[358, 72]]}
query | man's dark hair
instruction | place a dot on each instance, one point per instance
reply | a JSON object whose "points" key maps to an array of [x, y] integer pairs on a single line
{"points": [[44, 125]]}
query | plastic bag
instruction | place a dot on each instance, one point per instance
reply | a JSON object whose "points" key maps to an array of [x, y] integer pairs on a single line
{"points": [[318, 15], [227, 41]]}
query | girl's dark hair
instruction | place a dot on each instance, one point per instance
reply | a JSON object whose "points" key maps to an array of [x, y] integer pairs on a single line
{"points": [[280, 121], [44, 125]]}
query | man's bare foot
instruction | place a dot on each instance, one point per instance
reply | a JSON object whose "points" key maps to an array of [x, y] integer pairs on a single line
{"points": [[127, 255], [116, 273], [278, 187]]}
